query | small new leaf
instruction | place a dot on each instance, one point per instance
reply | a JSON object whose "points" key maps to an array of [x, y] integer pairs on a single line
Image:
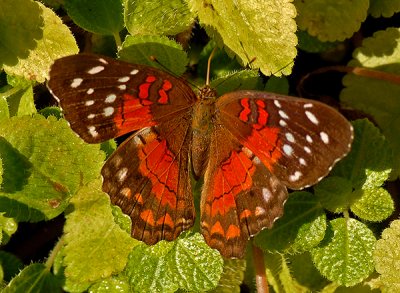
{"points": [[387, 257], [345, 254]]}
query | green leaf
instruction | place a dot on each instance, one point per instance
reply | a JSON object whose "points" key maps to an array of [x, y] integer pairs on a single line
{"points": [[123, 221], [370, 160], [102, 17], [51, 111], [187, 263], [312, 44], [320, 18], [8, 227], [378, 98], [345, 254], [301, 227], [11, 265], [277, 85], [240, 80], [232, 276], [34, 278], [117, 284], [387, 257], [335, 194], [55, 42], [44, 164], [279, 274], [385, 8], [139, 49], [154, 17], [108, 147], [95, 246], [375, 204], [21, 102], [4, 111], [268, 36], [21, 27], [305, 273]]}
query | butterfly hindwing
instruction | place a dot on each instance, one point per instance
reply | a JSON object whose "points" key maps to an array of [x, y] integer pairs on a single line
{"points": [[103, 98], [148, 178], [240, 196], [298, 140]]}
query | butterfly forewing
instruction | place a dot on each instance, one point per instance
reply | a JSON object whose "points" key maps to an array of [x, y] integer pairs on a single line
{"points": [[298, 140], [103, 98]]}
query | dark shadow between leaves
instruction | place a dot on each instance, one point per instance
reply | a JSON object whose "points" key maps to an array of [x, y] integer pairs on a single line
{"points": [[16, 168]]}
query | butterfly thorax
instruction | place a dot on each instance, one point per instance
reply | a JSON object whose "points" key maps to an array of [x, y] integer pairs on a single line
{"points": [[202, 128]]}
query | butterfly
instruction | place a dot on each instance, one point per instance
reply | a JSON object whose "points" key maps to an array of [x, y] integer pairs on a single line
{"points": [[248, 146]]}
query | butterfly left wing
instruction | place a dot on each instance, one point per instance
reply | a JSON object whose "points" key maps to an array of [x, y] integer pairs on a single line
{"points": [[103, 98], [240, 195], [148, 178]]}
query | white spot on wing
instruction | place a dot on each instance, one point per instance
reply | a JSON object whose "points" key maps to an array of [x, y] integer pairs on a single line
{"points": [[267, 195], [296, 176], [134, 71], [309, 138], [283, 114], [312, 117], [308, 105], [108, 111], [89, 102], [95, 69], [90, 91], [324, 137], [287, 149], [103, 61], [307, 149], [76, 82], [121, 174], [302, 162], [282, 123], [123, 79], [122, 87], [276, 102], [92, 131], [110, 98], [260, 211], [289, 137], [91, 116]]}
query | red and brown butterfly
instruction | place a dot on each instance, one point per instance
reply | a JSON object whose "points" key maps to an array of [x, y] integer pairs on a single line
{"points": [[249, 146]]}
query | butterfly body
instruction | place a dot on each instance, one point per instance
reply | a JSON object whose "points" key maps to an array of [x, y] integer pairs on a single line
{"points": [[249, 146]]}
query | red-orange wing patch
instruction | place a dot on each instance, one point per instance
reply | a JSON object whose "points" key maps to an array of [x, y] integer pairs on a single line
{"points": [[148, 178], [240, 196]]}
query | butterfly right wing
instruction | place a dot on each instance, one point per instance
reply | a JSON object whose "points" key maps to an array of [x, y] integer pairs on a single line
{"points": [[103, 98], [148, 177]]}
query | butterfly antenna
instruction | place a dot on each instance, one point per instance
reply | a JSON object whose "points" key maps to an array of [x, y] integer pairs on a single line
{"points": [[209, 66]]}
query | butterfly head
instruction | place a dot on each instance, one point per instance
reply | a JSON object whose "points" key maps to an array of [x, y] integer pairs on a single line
{"points": [[207, 93]]}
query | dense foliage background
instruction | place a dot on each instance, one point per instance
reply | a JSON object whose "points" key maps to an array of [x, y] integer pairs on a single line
{"points": [[57, 228]]}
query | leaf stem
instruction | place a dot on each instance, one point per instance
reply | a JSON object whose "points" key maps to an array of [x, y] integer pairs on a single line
{"points": [[50, 260], [117, 39], [259, 266]]}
